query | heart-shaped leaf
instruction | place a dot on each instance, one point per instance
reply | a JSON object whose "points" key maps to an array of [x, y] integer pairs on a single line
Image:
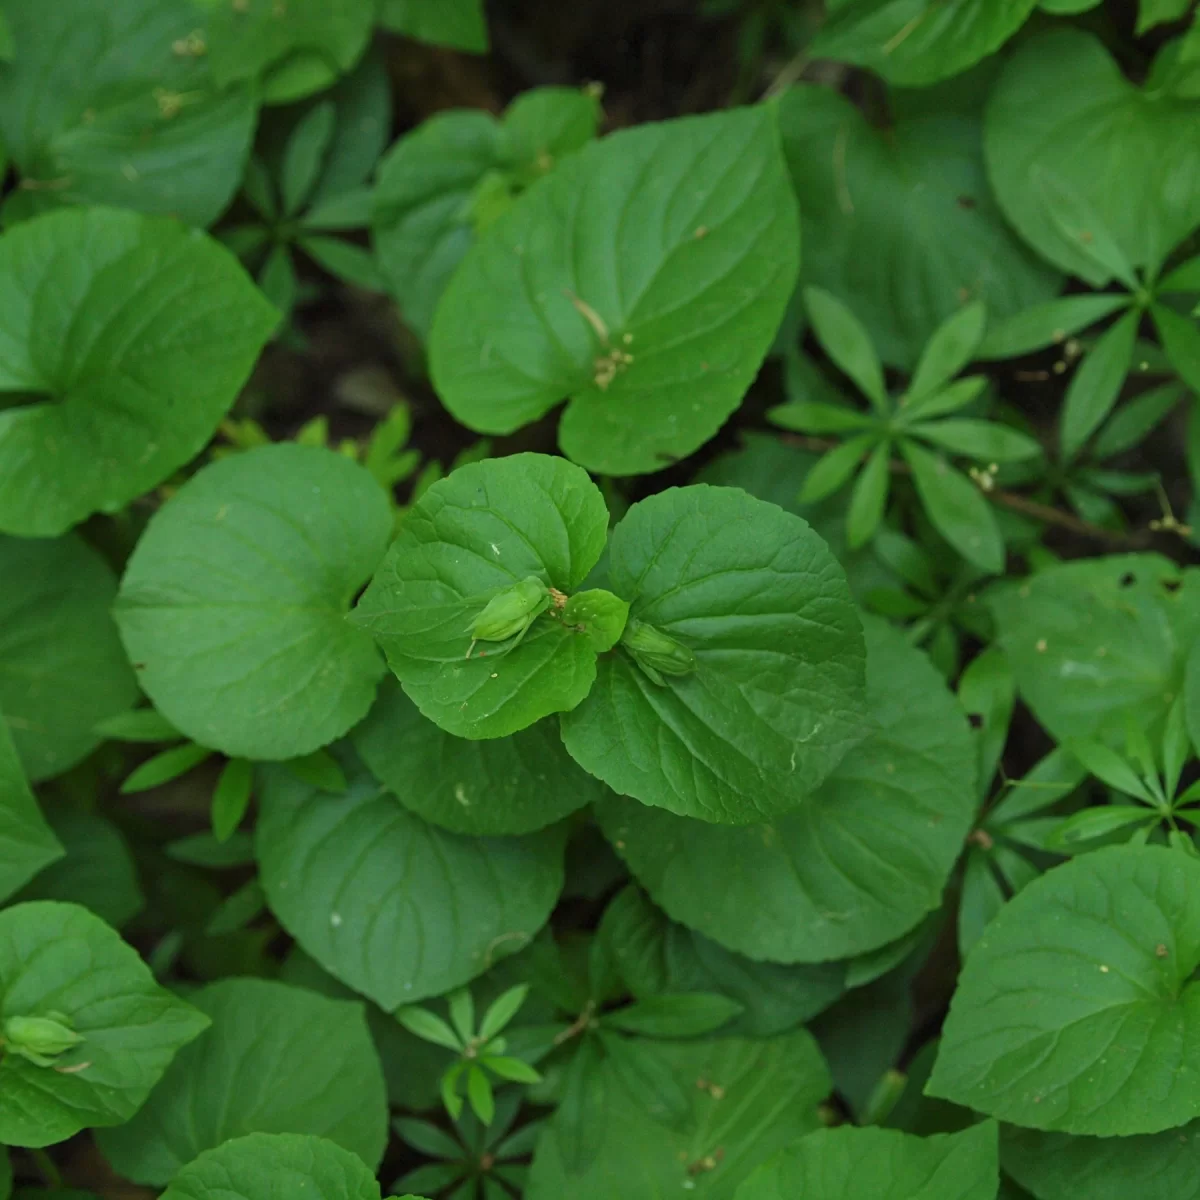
{"points": [[747, 1100], [396, 908], [116, 104], [233, 604], [753, 594], [913, 43], [644, 279], [59, 961], [500, 786], [278, 1059], [859, 863], [1063, 106], [1096, 641], [132, 335], [266, 1166], [885, 1164], [903, 268], [487, 527], [62, 668], [442, 181], [1075, 1008]]}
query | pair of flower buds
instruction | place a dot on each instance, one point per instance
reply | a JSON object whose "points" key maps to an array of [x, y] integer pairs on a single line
{"points": [[597, 614], [39, 1040]]}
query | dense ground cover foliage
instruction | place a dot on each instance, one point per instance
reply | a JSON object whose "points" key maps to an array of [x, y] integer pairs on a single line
{"points": [[600, 600]]}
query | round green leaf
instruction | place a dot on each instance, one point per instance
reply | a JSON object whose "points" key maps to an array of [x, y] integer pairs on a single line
{"points": [[1063, 110], [427, 200], [486, 527], [903, 268], [233, 604], [27, 843], [62, 668], [278, 1059], [267, 1166], [96, 870], [698, 216], [857, 864], [884, 1164], [60, 958], [292, 49], [1094, 642], [133, 336], [913, 43], [1057, 1166], [502, 786], [1076, 1009], [777, 695], [111, 104], [457, 23], [746, 1099], [393, 907], [1191, 694]]}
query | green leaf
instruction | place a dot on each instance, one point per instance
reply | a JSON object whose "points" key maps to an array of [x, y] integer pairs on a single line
{"points": [[305, 154], [265, 1166], [854, 867], [134, 335], [1191, 694], [806, 416], [957, 508], [1095, 640], [109, 105], [654, 358], [834, 467], [361, 884], [460, 24], [507, 785], [682, 1015], [764, 609], [844, 339], [62, 668], [1056, 84], [165, 766], [1158, 12], [1181, 340], [233, 602], [1157, 1166], [988, 690], [904, 268], [1074, 1007], [511, 1068], [320, 769], [278, 1059], [983, 440], [96, 872], [502, 1010], [868, 501], [1095, 823], [485, 527], [850, 1164], [1079, 223], [1135, 420], [750, 1098], [27, 844], [1183, 278], [60, 958], [138, 725], [1047, 324], [291, 51], [429, 1027], [1108, 766], [657, 955], [951, 347], [232, 797], [424, 220], [1097, 383], [913, 43], [345, 261], [479, 1093], [237, 910]]}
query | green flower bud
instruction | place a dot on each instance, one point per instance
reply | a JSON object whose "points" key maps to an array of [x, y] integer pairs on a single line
{"points": [[510, 612], [598, 614], [657, 653], [40, 1039]]}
